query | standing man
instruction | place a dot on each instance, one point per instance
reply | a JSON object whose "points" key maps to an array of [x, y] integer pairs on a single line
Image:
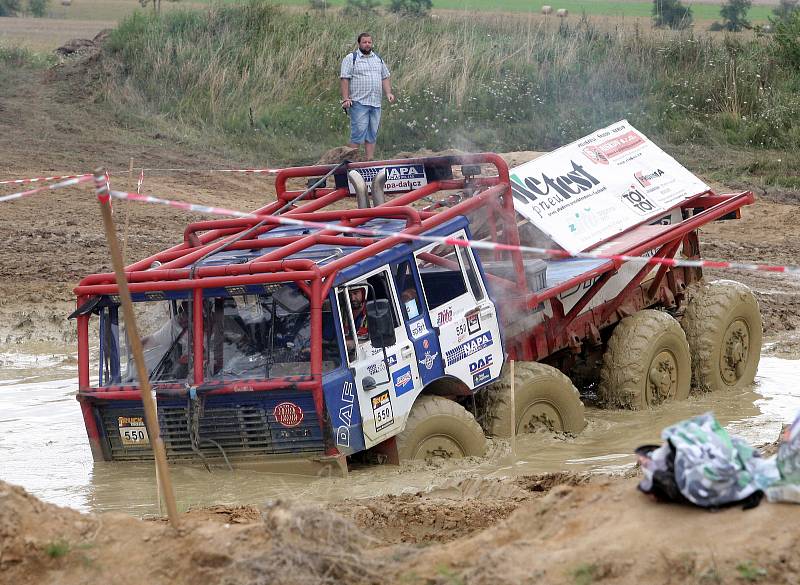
{"points": [[364, 78]]}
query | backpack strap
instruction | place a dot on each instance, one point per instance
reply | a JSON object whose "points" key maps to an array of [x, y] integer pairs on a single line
{"points": [[355, 56]]}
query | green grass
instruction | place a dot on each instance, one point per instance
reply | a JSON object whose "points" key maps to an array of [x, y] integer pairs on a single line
{"points": [[57, 549], [584, 574], [750, 572], [471, 82], [12, 56]]}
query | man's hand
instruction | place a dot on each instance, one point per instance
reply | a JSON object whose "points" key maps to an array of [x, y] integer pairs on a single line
{"points": [[390, 97], [346, 103]]}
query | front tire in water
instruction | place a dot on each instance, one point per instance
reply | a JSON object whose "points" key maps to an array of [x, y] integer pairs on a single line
{"points": [[543, 398], [646, 362], [439, 427], [723, 327]]}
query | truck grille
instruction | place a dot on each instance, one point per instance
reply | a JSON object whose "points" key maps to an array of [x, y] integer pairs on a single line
{"points": [[243, 430]]}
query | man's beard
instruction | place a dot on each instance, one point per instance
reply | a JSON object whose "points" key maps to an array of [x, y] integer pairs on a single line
{"points": [[365, 52]]}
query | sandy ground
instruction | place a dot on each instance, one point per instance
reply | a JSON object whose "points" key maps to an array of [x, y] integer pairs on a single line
{"points": [[543, 529]]}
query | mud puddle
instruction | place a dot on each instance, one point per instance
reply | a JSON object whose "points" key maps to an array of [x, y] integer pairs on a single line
{"points": [[43, 446]]}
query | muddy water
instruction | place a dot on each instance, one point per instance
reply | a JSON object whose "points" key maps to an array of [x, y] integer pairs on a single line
{"points": [[43, 446]]}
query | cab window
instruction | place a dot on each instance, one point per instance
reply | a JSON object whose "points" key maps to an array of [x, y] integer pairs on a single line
{"points": [[406, 290], [353, 301], [441, 275]]}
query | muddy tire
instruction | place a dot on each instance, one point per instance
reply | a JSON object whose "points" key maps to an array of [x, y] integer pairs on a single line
{"points": [[723, 326], [439, 427], [543, 398], [646, 363]]}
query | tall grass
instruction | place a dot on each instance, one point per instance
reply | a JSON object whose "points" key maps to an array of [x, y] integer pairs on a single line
{"points": [[16, 57], [267, 81]]}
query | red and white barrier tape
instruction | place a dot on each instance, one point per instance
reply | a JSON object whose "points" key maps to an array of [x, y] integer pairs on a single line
{"points": [[43, 179], [284, 220], [142, 169], [241, 171], [69, 182]]}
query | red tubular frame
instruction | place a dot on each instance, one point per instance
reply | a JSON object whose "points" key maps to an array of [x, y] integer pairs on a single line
{"points": [[275, 266]]}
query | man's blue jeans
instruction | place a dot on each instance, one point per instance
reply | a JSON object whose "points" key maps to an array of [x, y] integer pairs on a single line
{"points": [[364, 122]]}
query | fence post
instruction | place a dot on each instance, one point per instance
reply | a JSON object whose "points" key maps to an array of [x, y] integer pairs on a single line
{"points": [[150, 409], [513, 436]]}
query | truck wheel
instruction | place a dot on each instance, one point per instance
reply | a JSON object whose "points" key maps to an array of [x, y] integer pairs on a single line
{"points": [[723, 327], [646, 363], [440, 427], [543, 397]]}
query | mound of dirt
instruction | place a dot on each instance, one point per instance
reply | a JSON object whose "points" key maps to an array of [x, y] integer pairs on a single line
{"points": [[610, 533], [281, 544], [79, 47], [602, 531]]}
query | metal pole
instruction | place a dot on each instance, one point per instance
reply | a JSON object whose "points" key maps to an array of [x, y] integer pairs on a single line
{"points": [[127, 218], [150, 412], [512, 441]]}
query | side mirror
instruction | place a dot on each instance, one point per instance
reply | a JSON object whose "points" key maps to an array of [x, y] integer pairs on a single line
{"points": [[380, 323]]}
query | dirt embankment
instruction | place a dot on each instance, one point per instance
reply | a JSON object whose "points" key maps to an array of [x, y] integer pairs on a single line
{"points": [[50, 241], [572, 530]]}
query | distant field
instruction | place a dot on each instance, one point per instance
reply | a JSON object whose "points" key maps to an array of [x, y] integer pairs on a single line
{"points": [[84, 18], [618, 9], [703, 10]]}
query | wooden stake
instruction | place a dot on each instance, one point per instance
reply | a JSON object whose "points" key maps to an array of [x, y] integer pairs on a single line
{"points": [[127, 218], [150, 410], [513, 437]]}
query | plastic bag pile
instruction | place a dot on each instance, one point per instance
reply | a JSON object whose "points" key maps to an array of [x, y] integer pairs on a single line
{"points": [[701, 464]]}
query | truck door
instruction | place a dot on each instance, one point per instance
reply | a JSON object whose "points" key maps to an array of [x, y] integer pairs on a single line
{"points": [[418, 324], [462, 313], [384, 398]]}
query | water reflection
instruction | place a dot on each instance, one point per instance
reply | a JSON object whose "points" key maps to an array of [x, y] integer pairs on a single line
{"points": [[43, 446]]}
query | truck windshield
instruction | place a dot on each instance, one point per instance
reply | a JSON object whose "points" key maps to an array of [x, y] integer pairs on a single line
{"points": [[257, 336], [163, 329], [265, 336]]}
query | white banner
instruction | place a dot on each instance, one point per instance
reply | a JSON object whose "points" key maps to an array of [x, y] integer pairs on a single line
{"points": [[599, 186]]}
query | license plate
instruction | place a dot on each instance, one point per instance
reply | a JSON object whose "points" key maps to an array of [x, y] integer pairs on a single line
{"points": [[132, 430], [382, 409]]}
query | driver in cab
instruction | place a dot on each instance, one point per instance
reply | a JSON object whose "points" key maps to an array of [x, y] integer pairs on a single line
{"points": [[358, 304]]}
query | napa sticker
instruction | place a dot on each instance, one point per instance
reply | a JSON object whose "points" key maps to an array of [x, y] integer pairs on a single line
{"points": [[402, 381], [480, 370], [468, 348], [398, 177]]}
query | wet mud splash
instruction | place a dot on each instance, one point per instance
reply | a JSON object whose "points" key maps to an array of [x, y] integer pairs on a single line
{"points": [[44, 448]]}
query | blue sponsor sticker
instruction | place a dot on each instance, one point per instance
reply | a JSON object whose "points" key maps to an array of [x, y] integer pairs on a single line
{"points": [[403, 381], [483, 377], [480, 370], [468, 348]]}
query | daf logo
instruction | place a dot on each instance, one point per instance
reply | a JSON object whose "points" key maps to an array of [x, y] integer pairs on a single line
{"points": [[482, 364]]}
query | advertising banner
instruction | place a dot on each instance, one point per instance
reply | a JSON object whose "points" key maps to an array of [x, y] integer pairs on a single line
{"points": [[600, 185], [398, 177]]}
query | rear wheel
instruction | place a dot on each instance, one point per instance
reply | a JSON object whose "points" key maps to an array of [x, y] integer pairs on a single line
{"points": [[439, 427], [723, 327], [543, 398], [646, 363]]}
